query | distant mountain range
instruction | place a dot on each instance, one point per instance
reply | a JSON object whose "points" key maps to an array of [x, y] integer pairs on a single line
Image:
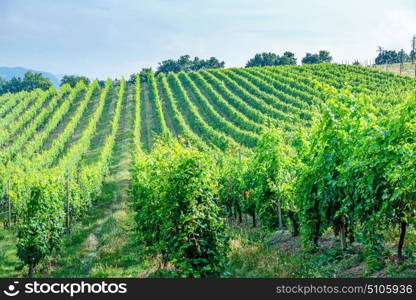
{"points": [[10, 72]]}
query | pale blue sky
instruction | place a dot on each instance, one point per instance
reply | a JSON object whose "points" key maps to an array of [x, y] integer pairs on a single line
{"points": [[109, 38]]}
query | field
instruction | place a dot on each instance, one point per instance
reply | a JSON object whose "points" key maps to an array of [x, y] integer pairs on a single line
{"points": [[408, 69], [68, 168]]}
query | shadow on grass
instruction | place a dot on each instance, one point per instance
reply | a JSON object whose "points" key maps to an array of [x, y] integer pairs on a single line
{"points": [[102, 244], [10, 265]]}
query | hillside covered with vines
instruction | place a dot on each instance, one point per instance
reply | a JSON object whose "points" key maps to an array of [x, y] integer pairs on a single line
{"points": [[310, 150]]}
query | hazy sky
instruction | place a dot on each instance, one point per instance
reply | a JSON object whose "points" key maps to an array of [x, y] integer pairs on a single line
{"points": [[109, 38]]}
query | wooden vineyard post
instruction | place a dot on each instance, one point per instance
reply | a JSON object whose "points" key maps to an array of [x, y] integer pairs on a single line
{"points": [[343, 236], [401, 242], [68, 220], [78, 177], [401, 53], [279, 214], [9, 206], [240, 213]]}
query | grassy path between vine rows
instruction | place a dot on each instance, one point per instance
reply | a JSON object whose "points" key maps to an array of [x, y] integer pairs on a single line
{"points": [[8, 257], [103, 129], [103, 243], [146, 117]]}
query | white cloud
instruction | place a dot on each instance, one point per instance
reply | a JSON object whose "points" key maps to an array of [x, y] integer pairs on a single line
{"points": [[103, 38]]}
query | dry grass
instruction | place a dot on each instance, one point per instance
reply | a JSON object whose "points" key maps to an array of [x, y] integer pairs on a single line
{"points": [[408, 70]]}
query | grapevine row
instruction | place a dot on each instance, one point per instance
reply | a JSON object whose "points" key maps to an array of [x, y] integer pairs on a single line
{"points": [[233, 110], [193, 117], [246, 138], [25, 117], [181, 128]]}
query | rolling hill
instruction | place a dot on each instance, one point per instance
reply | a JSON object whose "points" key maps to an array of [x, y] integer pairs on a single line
{"points": [[77, 143], [10, 72]]}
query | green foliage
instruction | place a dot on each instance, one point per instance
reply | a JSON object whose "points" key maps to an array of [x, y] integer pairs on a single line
{"points": [[39, 196], [43, 227], [271, 59], [142, 76], [185, 63], [216, 120], [322, 57], [3, 84], [381, 171], [218, 139], [181, 127], [175, 192], [392, 56], [324, 198], [232, 167], [72, 80], [358, 173], [400, 159], [29, 82], [270, 177], [356, 167]]}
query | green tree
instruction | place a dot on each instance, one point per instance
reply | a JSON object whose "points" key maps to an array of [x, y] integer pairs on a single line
{"points": [[29, 82], [167, 66], [391, 57], [14, 85], [212, 63], [185, 63], [263, 59], [322, 57], [310, 59], [288, 58], [144, 74], [403, 56], [132, 79], [271, 59], [32, 81], [72, 80], [3, 83]]}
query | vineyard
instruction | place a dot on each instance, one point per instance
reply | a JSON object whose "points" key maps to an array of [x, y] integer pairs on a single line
{"points": [[317, 150]]}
